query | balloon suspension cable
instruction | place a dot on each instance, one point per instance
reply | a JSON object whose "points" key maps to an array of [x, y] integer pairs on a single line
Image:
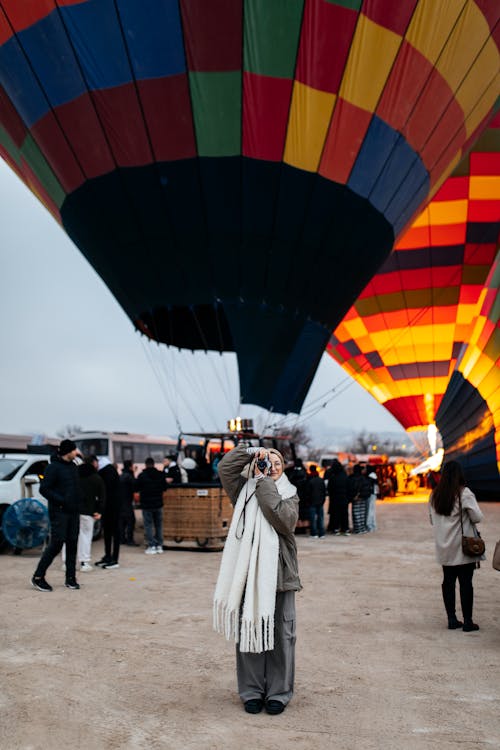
{"points": [[161, 382], [171, 362]]}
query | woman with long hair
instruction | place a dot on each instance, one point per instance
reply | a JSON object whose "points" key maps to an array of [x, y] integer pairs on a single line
{"points": [[448, 501]]}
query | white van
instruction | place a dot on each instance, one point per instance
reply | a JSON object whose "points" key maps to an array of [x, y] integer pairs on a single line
{"points": [[20, 476]]}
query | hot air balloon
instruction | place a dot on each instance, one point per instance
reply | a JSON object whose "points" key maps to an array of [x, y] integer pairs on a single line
{"points": [[236, 171], [405, 337], [469, 414]]}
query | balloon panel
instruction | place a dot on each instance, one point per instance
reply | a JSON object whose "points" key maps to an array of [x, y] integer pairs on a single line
{"points": [[240, 167], [469, 415], [402, 337]]}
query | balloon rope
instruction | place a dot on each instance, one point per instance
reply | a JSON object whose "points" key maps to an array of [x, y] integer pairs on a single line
{"points": [[175, 364], [161, 381]]}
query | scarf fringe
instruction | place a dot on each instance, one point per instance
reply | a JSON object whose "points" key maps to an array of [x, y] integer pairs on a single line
{"points": [[257, 637], [253, 637], [225, 620]]}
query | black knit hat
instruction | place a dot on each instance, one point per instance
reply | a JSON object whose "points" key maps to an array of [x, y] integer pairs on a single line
{"points": [[66, 447]]}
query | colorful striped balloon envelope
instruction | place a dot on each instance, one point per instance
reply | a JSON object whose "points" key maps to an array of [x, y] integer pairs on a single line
{"points": [[469, 414], [429, 319], [236, 171]]}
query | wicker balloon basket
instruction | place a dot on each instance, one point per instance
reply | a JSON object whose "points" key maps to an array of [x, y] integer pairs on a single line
{"points": [[196, 516]]}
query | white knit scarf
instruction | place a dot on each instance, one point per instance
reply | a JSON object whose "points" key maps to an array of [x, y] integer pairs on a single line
{"points": [[249, 566]]}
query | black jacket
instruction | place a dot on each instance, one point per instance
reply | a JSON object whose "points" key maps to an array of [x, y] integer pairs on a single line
{"points": [[93, 490], [174, 472], [61, 486], [316, 491], [127, 488], [337, 487], [298, 477], [151, 484], [112, 483], [359, 487]]}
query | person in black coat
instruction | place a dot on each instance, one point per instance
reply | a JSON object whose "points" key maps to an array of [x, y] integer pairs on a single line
{"points": [[298, 477], [93, 499], [151, 484], [339, 503], [316, 493], [172, 471], [61, 487], [359, 489], [127, 515], [111, 514]]}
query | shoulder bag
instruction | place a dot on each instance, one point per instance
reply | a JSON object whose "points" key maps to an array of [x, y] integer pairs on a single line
{"points": [[472, 546]]}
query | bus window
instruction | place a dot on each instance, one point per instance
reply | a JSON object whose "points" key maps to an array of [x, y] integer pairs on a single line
{"points": [[141, 452], [93, 446], [158, 452], [124, 452]]}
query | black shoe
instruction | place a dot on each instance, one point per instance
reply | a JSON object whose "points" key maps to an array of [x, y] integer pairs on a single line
{"points": [[275, 707], [72, 584], [469, 627], [111, 564], [254, 705], [132, 544], [103, 561], [40, 584], [454, 623]]}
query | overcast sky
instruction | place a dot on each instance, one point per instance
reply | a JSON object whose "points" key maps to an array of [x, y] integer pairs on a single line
{"points": [[70, 355]]}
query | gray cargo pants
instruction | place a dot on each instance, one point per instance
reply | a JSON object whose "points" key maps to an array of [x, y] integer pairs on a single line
{"points": [[270, 675]]}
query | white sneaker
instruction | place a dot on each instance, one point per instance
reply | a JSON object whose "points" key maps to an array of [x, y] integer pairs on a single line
{"points": [[85, 567], [159, 550], [150, 551]]}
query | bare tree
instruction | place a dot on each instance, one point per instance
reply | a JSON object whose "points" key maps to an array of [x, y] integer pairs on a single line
{"points": [[364, 442], [68, 430]]}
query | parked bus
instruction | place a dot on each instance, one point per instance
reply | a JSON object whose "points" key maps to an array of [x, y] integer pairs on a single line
{"points": [[122, 446]]}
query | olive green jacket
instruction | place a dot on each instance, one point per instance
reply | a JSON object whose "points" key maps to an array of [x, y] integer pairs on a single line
{"points": [[282, 514]]}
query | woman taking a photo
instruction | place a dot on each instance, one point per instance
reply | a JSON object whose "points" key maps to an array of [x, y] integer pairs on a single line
{"points": [[254, 600], [450, 501]]}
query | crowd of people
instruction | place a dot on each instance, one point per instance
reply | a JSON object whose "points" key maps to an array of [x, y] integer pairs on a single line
{"points": [[354, 488], [82, 491], [254, 599]]}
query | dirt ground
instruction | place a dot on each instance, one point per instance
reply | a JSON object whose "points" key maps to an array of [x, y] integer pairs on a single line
{"points": [[130, 661]]}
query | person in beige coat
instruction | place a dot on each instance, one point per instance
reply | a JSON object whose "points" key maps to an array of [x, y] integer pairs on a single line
{"points": [[254, 600], [445, 511]]}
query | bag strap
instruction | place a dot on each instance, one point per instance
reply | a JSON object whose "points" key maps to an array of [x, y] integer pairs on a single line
{"points": [[474, 529], [460, 506]]}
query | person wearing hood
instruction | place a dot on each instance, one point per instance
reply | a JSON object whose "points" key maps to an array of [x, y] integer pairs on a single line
{"points": [[191, 469], [61, 487], [111, 514], [254, 599]]}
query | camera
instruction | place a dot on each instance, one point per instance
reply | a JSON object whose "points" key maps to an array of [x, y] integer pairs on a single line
{"points": [[264, 465]]}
